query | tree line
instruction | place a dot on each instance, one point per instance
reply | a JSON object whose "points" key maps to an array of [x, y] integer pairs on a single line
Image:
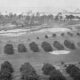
{"points": [[34, 19]]}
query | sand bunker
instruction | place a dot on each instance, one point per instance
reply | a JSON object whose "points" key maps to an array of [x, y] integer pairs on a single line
{"points": [[59, 52]]}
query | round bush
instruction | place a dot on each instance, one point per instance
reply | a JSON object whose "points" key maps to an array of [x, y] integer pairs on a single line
{"points": [[78, 34], [46, 46], [62, 34], [6, 66], [34, 47], [8, 49], [69, 44], [58, 45], [47, 68], [21, 48], [37, 37], [54, 35], [46, 36]]}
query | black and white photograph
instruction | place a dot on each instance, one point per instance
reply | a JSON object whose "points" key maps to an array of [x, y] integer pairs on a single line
{"points": [[39, 39]]}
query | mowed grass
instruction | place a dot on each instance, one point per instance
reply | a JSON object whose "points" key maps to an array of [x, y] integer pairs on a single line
{"points": [[38, 58]]}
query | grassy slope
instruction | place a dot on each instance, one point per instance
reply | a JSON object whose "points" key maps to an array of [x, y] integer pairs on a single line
{"points": [[37, 59]]}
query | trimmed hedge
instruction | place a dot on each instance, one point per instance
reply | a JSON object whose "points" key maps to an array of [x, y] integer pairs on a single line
{"points": [[58, 45], [8, 49], [69, 44], [46, 46], [34, 47], [21, 48], [70, 34]]}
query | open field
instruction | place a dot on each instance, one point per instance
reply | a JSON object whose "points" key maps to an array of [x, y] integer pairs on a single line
{"points": [[38, 58]]}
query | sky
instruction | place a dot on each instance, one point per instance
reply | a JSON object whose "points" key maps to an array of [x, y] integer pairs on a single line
{"points": [[38, 5]]}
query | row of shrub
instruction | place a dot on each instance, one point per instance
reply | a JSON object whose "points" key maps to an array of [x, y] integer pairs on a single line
{"points": [[9, 49], [73, 71], [29, 73]]}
